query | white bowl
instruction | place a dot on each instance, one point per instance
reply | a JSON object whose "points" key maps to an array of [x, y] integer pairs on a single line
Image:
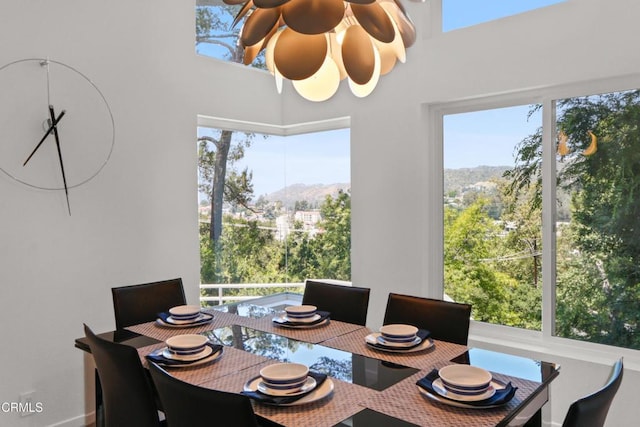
{"points": [[187, 344], [465, 379], [184, 312], [284, 374], [301, 311], [398, 332]]}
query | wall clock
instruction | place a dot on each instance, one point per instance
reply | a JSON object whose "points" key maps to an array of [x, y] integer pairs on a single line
{"points": [[56, 128]]}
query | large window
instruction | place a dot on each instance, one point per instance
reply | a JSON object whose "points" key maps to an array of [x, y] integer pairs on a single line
{"points": [[492, 231], [580, 168], [273, 209]]}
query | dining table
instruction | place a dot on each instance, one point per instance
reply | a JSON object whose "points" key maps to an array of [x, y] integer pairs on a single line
{"points": [[365, 385]]}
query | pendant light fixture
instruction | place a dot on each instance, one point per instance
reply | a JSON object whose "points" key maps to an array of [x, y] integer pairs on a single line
{"points": [[318, 43]]}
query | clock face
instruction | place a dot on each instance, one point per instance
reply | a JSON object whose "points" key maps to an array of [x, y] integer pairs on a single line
{"points": [[86, 130]]}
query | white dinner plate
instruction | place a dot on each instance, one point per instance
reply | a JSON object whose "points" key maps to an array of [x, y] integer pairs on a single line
{"points": [[439, 388], [313, 318], [372, 340], [383, 341], [204, 318], [281, 321], [318, 393], [201, 318], [438, 398], [308, 385], [187, 357], [211, 358]]}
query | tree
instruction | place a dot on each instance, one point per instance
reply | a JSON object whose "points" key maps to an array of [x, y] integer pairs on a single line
{"points": [[598, 280], [333, 244], [214, 27], [215, 154], [476, 270]]}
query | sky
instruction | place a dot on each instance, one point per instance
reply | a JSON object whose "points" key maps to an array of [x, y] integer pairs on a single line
{"points": [[484, 138], [315, 158], [463, 13]]}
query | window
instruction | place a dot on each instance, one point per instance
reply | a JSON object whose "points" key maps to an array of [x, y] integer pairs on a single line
{"points": [[582, 170], [464, 13], [598, 236], [492, 240], [285, 211], [215, 35]]}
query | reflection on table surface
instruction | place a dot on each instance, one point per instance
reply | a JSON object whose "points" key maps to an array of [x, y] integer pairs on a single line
{"points": [[369, 418], [261, 307], [122, 336], [365, 371], [508, 364]]}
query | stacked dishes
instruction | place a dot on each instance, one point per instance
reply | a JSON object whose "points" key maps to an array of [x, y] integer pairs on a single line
{"points": [[399, 338], [398, 335], [301, 313], [184, 316], [187, 347], [301, 317], [464, 383], [285, 379], [186, 350], [185, 312]]}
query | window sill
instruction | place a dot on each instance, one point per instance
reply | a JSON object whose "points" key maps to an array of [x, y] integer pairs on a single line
{"points": [[533, 343]]}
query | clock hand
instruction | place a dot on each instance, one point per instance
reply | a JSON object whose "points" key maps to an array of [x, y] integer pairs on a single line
{"points": [[52, 126], [55, 133]]}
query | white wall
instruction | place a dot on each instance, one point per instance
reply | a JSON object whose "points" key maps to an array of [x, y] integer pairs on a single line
{"points": [[137, 220]]}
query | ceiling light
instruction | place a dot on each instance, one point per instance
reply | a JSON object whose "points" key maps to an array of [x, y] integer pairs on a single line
{"points": [[318, 43]]}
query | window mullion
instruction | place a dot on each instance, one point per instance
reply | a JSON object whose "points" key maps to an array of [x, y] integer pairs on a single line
{"points": [[548, 217]]}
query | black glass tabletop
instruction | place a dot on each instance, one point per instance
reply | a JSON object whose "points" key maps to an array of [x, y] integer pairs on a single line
{"points": [[508, 364], [353, 368]]}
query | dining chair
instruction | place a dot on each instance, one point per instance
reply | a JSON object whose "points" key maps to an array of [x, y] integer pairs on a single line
{"points": [[141, 303], [447, 321], [345, 303], [592, 410], [188, 405], [128, 396]]}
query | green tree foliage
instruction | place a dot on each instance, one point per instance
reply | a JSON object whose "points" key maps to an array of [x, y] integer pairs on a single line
{"points": [[333, 245], [598, 281], [248, 251], [476, 273]]}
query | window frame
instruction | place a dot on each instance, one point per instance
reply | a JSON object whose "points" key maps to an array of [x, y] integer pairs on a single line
{"points": [[222, 123], [545, 340]]}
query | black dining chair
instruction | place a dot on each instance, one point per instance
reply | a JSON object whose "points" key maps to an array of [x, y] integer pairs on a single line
{"points": [[141, 303], [447, 321], [345, 303], [188, 405], [592, 410], [128, 396]]}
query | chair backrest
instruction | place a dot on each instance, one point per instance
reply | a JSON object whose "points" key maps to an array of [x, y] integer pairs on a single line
{"points": [[127, 393], [592, 410], [188, 405], [447, 321], [346, 303], [136, 304]]}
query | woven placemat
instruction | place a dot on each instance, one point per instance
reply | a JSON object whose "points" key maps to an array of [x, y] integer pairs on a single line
{"points": [[354, 342], [343, 402], [404, 401], [231, 361], [312, 335], [155, 330]]}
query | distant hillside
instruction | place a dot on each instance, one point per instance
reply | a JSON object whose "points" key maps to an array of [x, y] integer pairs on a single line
{"points": [[456, 179], [313, 194]]}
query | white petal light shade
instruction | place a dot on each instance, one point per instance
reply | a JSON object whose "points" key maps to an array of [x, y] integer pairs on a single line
{"points": [[318, 43]]}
